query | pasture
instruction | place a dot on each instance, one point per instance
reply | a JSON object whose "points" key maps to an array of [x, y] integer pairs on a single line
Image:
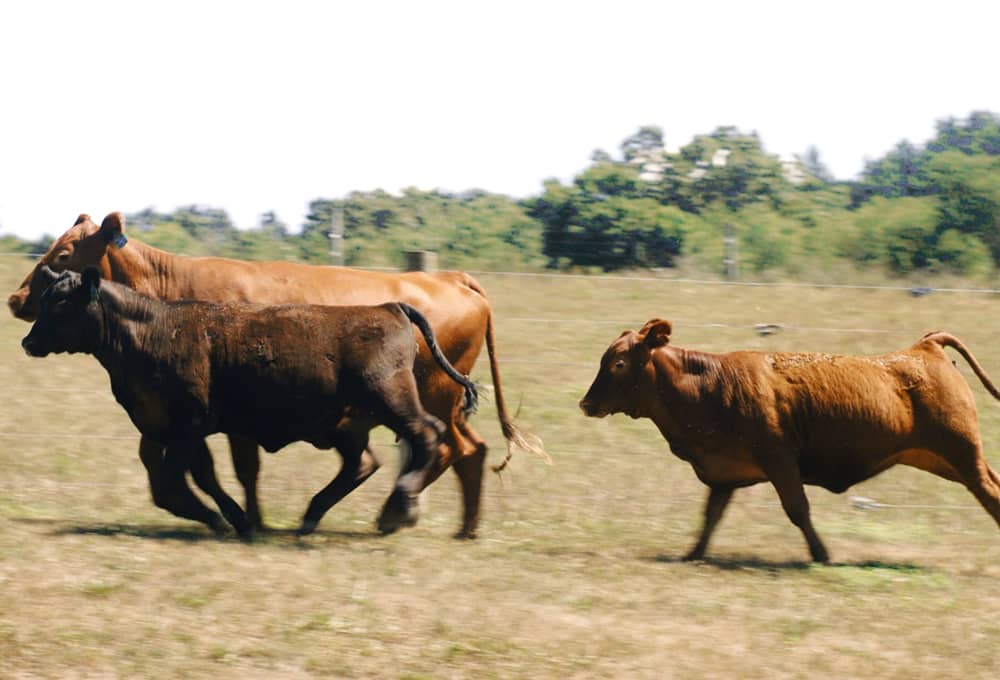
{"points": [[576, 573]]}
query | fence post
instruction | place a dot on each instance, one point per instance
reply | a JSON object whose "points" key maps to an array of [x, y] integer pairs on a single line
{"points": [[730, 260], [337, 237], [421, 260]]}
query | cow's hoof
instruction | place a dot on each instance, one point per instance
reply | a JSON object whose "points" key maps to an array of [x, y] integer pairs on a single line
{"points": [[401, 510], [466, 535], [218, 525], [694, 556], [308, 526]]}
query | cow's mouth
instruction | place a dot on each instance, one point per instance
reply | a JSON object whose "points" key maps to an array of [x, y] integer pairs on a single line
{"points": [[591, 410]]}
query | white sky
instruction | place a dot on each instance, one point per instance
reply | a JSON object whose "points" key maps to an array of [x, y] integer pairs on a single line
{"points": [[253, 106]]}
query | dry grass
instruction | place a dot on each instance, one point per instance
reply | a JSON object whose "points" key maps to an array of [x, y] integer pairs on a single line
{"points": [[576, 574]]}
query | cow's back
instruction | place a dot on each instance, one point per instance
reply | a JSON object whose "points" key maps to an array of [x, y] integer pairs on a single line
{"points": [[439, 296]]}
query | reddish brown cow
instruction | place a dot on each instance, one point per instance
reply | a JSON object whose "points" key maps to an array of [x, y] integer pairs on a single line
{"points": [[453, 302], [279, 374], [799, 418]]}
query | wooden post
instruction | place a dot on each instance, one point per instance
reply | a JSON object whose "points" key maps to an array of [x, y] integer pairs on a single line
{"points": [[730, 260], [337, 237], [421, 260]]}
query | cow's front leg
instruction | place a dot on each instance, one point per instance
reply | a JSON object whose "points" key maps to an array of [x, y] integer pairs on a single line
{"points": [[718, 499], [359, 464], [246, 464], [203, 471], [784, 475], [170, 490]]}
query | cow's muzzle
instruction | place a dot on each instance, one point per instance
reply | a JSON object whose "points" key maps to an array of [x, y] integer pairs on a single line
{"points": [[16, 303], [591, 410], [32, 348]]}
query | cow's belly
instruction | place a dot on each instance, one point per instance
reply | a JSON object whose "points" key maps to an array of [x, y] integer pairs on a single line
{"points": [[839, 453], [276, 427], [839, 469]]}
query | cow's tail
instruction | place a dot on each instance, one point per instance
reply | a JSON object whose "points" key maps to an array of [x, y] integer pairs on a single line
{"points": [[949, 340], [511, 432], [420, 321]]}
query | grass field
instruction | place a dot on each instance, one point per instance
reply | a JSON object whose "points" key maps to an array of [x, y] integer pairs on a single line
{"points": [[576, 573]]}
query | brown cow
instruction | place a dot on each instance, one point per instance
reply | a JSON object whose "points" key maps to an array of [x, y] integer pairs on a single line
{"points": [[799, 418], [453, 302], [185, 370]]}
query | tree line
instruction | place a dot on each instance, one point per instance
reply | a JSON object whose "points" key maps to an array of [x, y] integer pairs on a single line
{"points": [[921, 208]]}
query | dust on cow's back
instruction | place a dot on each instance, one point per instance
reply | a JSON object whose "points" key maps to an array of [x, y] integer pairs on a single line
{"points": [[786, 361], [789, 361]]}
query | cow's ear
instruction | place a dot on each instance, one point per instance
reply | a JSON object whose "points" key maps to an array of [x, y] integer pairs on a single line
{"points": [[656, 333], [113, 229], [92, 281], [83, 217]]}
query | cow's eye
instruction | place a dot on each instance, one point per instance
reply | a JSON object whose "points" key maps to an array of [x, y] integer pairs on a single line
{"points": [[620, 364]]}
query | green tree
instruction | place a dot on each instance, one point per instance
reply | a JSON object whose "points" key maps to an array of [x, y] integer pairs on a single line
{"points": [[969, 195], [901, 173], [648, 140]]}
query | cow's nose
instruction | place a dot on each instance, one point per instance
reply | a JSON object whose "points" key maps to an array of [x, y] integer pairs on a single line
{"points": [[15, 302], [30, 347]]}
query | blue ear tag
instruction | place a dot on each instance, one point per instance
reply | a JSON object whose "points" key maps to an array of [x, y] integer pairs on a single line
{"points": [[120, 240], [95, 294]]}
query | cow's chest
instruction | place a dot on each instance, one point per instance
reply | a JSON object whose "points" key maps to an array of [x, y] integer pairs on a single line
{"points": [[719, 463], [161, 407]]}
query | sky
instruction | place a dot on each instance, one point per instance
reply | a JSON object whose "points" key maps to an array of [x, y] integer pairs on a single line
{"points": [[264, 106]]}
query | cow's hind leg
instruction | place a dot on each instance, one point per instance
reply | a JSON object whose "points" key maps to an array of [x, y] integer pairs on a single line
{"points": [[718, 499], [402, 508], [467, 456], [203, 472], [977, 476], [402, 412], [787, 481], [359, 464], [246, 464], [470, 469], [170, 490]]}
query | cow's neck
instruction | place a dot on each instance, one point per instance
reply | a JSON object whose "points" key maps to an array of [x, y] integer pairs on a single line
{"points": [[684, 380], [127, 322], [148, 270]]}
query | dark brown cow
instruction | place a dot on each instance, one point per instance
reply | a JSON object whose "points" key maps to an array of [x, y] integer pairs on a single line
{"points": [[791, 419], [184, 370], [453, 302]]}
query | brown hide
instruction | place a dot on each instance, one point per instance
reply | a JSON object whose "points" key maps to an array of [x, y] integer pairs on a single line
{"points": [[277, 374], [453, 302], [799, 418]]}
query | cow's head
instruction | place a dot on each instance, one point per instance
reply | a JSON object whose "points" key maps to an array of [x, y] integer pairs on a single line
{"points": [[68, 318], [624, 371], [83, 245]]}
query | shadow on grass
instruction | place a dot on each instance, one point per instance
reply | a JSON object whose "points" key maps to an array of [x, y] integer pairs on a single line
{"points": [[757, 564], [193, 533]]}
